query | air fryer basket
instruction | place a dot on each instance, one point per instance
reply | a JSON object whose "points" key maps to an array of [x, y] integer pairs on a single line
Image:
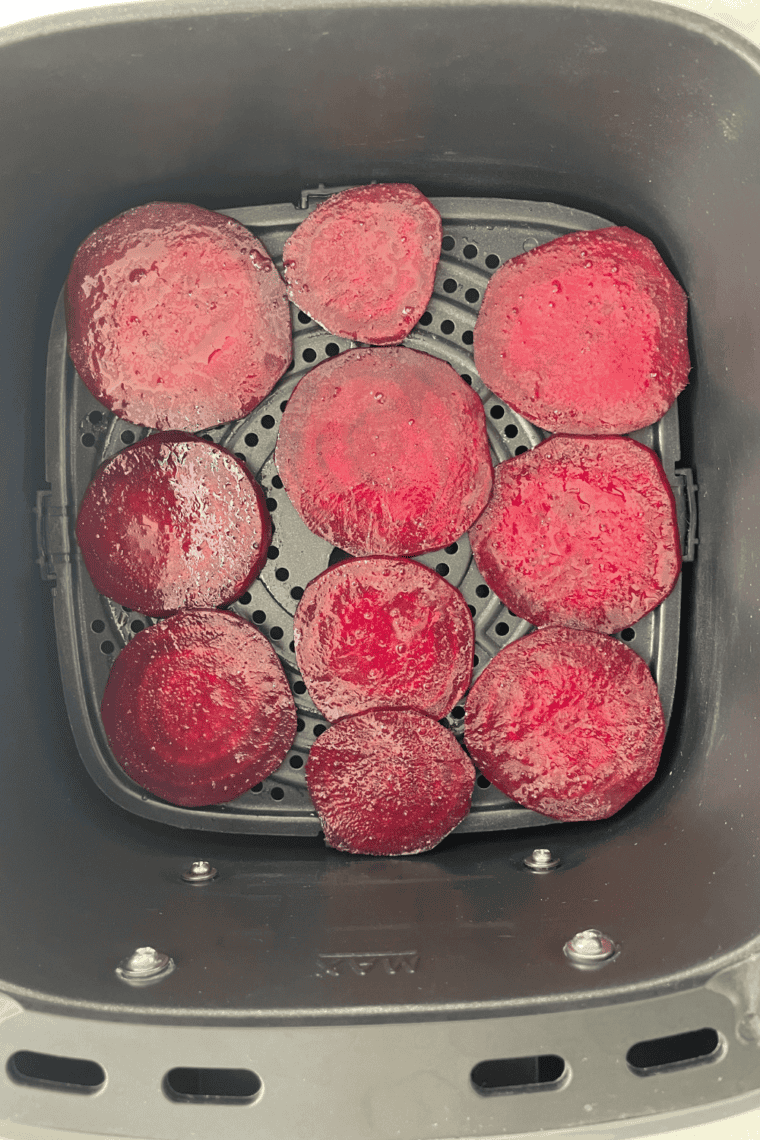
{"points": [[314, 994]]}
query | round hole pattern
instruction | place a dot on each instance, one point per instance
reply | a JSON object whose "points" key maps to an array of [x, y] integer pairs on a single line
{"points": [[450, 285], [472, 295], [510, 431], [448, 243], [447, 327], [470, 251], [277, 793], [267, 422], [251, 439], [127, 437], [88, 439], [309, 355], [628, 634]]}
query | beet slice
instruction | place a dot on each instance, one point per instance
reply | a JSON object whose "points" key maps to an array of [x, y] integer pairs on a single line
{"points": [[586, 334], [385, 451], [567, 723], [388, 782], [177, 317], [363, 263], [581, 531], [173, 522], [197, 708], [383, 632]]}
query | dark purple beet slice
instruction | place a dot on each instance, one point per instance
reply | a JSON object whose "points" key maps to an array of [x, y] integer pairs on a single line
{"points": [[197, 708], [173, 522], [383, 633], [384, 451], [581, 531], [388, 782], [177, 317], [363, 263], [567, 723], [586, 334]]}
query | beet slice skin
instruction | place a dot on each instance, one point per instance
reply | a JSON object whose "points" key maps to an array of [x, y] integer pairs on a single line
{"points": [[197, 708], [581, 531], [177, 317], [385, 451], [363, 263], [567, 723], [383, 632], [388, 782], [586, 334], [173, 522]]}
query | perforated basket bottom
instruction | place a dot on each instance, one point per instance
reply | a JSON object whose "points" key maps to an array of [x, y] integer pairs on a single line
{"points": [[479, 234]]}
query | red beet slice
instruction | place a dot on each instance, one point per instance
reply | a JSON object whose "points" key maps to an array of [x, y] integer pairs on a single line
{"points": [[197, 709], [384, 451], [582, 532], [177, 317], [566, 722], [173, 522], [383, 632], [388, 782], [586, 334], [363, 263]]}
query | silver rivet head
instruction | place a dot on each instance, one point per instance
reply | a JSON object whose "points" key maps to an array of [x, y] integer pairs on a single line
{"points": [[144, 964], [541, 859], [589, 947], [200, 871]]}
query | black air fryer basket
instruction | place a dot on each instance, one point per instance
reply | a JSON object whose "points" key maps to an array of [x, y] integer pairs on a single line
{"points": [[291, 991]]}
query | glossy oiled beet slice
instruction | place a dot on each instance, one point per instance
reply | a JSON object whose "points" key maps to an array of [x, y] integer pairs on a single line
{"points": [[173, 522], [566, 722], [177, 317], [388, 782], [363, 263], [586, 334], [383, 633], [197, 708], [384, 451], [582, 532]]}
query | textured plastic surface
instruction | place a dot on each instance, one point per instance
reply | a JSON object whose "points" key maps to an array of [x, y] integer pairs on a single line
{"points": [[478, 236]]}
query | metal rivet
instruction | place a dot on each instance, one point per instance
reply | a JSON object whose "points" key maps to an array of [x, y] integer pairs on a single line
{"points": [[589, 947], [200, 871], [541, 860], [144, 965]]}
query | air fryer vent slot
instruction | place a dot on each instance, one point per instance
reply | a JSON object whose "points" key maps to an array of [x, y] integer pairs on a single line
{"points": [[212, 1086], [519, 1074], [61, 1074], [679, 1051]]}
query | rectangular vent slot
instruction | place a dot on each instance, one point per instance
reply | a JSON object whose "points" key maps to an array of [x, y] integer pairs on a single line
{"points": [[64, 1074], [518, 1074], [675, 1052], [212, 1086]]}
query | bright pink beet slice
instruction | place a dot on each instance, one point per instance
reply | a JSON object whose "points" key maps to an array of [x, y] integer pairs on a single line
{"points": [[388, 782], [177, 317], [197, 708], [581, 531], [384, 451], [586, 334], [567, 723], [363, 263], [173, 522], [383, 633]]}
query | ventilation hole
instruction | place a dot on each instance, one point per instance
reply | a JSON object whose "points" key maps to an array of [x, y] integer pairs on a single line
{"points": [[502, 629], [519, 450], [88, 439], [299, 688], [212, 1086], [442, 569], [273, 552], [511, 612], [257, 788], [679, 1050], [296, 761], [283, 405], [467, 379], [208, 438], [277, 482], [318, 729], [277, 794], [467, 336], [275, 633], [447, 243], [309, 355], [297, 593], [239, 455], [628, 634], [291, 366], [492, 261], [98, 626], [251, 439], [510, 431], [449, 285], [518, 1074], [332, 349], [127, 437], [337, 555], [300, 724], [496, 412], [447, 327], [245, 599], [452, 549], [425, 319], [281, 574], [258, 617], [272, 504], [136, 626], [457, 712], [64, 1074], [482, 782], [482, 591], [267, 421], [470, 251], [292, 646], [475, 661], [472, 610], [106, 647], [304, 318], [95, 417], [472, 295]]}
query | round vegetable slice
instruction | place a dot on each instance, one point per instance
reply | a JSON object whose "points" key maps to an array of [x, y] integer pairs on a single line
{"points": [[363, 263], [173, 522], [177, 317], [586, 334], [197, 708], [383, 632], [385, 451], [581, 531], [567, 723], [388, 782]]}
